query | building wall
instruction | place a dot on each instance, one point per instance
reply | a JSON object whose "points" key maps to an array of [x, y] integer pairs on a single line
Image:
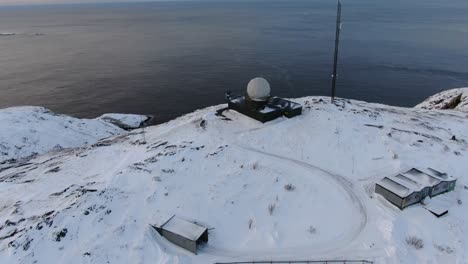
{"points": [[413, 198], [442, 187], [391, 197], [426, 191], [181, 241], [439, 188], [452, 185]]}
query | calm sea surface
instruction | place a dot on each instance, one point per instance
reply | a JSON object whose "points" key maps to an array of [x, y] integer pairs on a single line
{"points": [[169, 58]]}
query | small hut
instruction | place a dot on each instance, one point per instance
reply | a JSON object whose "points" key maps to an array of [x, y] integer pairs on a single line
{"points": [[183, 233]]}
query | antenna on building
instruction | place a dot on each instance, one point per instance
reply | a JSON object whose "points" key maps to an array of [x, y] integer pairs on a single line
{"points": [[337, 42]]}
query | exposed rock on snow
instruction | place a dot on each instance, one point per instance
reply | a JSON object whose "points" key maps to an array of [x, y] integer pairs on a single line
{"points": [[29, 130], [95, 204], [125, 121], [456, 99]]}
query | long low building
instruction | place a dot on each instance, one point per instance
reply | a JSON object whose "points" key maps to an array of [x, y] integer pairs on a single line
{"points": [[413, 186]]}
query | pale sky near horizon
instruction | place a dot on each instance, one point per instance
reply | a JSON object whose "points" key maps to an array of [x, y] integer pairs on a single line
{"points": [[32, 2]]}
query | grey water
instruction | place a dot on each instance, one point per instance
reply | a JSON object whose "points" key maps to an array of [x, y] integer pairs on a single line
{"points": [[170, 58]]}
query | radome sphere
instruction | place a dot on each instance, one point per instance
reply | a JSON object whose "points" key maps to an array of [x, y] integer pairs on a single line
{"points": [[258, 89]]}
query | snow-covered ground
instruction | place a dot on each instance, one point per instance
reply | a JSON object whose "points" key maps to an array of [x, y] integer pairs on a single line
{"points": [[456, 99], [298, 188], [125, 121], [29, 130]]}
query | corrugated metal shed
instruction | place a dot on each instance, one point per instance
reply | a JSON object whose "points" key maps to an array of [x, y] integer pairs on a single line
{"points": [[184, 228], [183, 233], [421, 177], [395, 187], [413, 186]]}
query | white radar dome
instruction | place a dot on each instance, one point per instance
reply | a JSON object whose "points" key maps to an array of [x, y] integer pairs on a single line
{"points": [[258, 89]]}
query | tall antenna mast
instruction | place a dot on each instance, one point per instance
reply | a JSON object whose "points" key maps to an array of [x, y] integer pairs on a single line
{"points": [[337, 42]]}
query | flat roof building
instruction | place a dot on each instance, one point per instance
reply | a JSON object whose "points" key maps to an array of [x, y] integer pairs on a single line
{"points": [[413, 186]]}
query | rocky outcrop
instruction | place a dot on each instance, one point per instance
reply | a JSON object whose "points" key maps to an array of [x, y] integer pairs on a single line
{"points": [[455, 99]]}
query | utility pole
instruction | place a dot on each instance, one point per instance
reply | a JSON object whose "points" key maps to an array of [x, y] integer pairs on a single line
{"points": [[337, 42]]}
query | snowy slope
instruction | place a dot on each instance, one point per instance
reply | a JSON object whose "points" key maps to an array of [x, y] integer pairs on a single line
{"points": [[456, 99], [30, 130], [290, 189], [125, 121]]}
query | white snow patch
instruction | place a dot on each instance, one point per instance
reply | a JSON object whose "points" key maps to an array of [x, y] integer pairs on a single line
{"points": [[96, 204], [29, 130], [126, 121]]}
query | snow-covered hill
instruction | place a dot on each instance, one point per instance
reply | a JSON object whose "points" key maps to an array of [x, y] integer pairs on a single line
{"points": [[456, 99], [29, 130], [125, 121], [298, 188]]}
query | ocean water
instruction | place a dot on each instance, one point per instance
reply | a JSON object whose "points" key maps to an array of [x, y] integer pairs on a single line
{"points": [[169, 58]]}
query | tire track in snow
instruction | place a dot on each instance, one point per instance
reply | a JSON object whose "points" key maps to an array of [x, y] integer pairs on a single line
{"points": [[303, 250], [343, 182]]}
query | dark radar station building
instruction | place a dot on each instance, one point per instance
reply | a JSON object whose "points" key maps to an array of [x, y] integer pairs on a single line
{"points": [[413, 186], [259, 105]]}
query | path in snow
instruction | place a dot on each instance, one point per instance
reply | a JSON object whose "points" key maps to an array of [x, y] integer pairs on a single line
{"points": [[335, 246]]}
